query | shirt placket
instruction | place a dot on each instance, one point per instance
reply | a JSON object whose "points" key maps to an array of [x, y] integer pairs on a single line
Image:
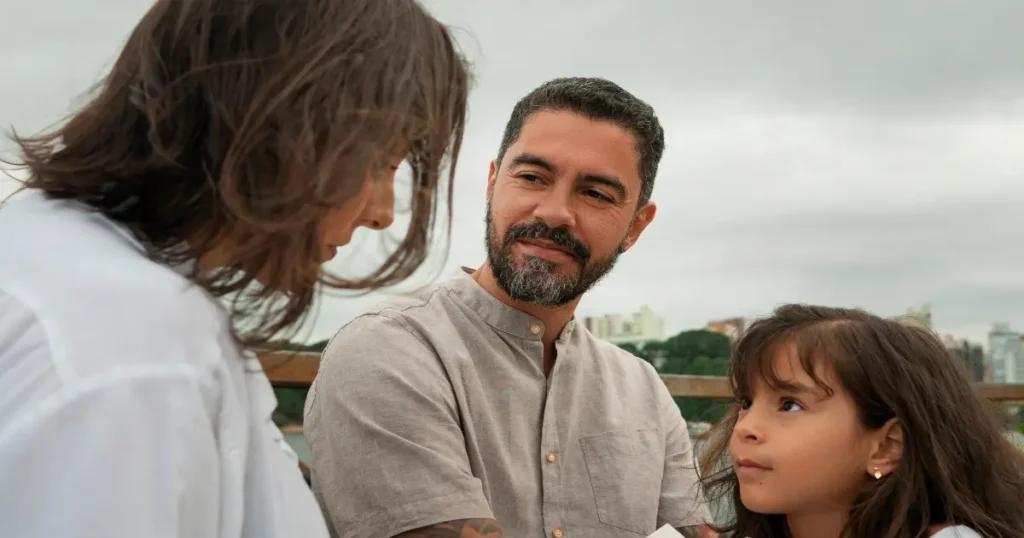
{"points": [[551, 451]]}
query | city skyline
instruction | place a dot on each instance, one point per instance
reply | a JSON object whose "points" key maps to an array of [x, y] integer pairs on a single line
{"points": [[815, 153]]}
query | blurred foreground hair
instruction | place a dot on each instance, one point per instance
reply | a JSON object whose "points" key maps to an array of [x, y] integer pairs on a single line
{"points": [[243, 122]]}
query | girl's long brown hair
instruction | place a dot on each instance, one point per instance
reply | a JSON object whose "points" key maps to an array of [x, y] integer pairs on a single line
{"points": [[957, 465], [243, 122]]}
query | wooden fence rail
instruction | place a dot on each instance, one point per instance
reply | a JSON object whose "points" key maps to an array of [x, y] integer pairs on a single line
{"points": [[297, 370]]}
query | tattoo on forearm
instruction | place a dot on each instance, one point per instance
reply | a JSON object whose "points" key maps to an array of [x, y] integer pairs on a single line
{"points": [[461, 528]]}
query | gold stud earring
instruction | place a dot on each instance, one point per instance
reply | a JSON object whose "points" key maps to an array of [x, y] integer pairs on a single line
{"points": [[878, 474]]}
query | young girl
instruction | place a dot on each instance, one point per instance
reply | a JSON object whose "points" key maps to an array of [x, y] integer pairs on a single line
{"points": [[849, 425]]}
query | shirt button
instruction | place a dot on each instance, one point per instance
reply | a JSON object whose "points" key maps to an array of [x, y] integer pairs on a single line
{"points": [[535, 329], [552, 457], [558, 533]]}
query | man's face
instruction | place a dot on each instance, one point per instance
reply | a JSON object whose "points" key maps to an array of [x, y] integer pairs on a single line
{"points": [[562, 207]]}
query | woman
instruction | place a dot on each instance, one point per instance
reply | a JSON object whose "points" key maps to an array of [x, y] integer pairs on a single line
{"points": [[232, 148]]}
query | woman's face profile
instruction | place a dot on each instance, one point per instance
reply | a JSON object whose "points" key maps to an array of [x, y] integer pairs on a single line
{"points": [[372, 207]]}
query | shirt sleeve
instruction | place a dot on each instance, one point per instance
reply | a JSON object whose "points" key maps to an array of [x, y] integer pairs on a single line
{"points": [[683, 503], [126, 454], [388, 453]]}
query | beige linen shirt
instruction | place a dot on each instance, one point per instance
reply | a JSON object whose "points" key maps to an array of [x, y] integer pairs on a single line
{"points": [[436, 407]]}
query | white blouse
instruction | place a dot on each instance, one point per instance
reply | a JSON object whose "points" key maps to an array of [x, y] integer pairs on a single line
{"points": [[125, 409]]}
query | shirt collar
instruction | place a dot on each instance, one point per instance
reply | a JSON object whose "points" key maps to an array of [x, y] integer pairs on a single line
{"points": [[499, 315]]}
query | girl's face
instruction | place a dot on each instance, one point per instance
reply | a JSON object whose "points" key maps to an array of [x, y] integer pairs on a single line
{"points": [[800, 451]]}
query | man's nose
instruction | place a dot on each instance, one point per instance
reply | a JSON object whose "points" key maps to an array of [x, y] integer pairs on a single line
{"points": [[554, 210]]}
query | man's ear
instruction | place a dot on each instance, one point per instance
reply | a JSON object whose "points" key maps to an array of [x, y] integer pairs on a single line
{"points": [[492, 177], [643, 217], [886, 450]]}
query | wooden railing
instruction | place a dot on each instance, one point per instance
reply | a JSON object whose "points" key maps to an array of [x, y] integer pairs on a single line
{"points": [[297, 370]]}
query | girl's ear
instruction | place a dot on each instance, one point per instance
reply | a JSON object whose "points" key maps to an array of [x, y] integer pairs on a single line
{"points": [[886, 449]]}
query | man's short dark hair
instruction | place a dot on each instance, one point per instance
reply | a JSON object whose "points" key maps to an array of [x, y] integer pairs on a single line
{"points": [[598, 99]]}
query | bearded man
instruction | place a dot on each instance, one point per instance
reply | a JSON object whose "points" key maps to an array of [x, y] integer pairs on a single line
{"points": [[481, 406]]}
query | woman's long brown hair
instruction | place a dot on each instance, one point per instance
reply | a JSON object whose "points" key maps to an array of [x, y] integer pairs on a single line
{"points": [[958, 466], [242, 122]]}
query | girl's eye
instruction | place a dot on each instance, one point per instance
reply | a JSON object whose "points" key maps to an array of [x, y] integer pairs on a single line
{"points": [[789, 405], [743, 403]]}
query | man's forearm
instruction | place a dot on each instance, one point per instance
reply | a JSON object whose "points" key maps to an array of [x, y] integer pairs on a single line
{"points": [[697, 531], [689, 532], [462, 528]]}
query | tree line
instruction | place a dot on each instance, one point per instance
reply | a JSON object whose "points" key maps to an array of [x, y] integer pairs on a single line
{"points": [[694, 352]]}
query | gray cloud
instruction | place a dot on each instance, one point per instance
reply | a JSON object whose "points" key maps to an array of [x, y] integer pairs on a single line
{"points": [[895, 56], [848, 153]]}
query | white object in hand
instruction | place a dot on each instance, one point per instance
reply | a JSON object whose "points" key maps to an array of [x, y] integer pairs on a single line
{"points": [[665, 532]]}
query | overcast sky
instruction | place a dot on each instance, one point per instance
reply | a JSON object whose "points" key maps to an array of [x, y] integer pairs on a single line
{"points": [[864, 154]]}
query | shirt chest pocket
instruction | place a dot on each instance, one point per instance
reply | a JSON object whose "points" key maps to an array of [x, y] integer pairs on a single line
{"points": [[625, 469]]}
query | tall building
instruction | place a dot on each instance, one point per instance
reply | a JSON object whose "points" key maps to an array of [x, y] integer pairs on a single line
{"points": [[638, 328], [971, 355], [731, 327], [1007, 354], [921, 316]]}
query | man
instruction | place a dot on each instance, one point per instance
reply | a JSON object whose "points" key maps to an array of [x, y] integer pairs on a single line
{"points": [[481, 407]]}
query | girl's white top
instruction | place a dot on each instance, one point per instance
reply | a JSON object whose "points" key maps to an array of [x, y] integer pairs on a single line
{"points": [[958, 531], [125, 409]]}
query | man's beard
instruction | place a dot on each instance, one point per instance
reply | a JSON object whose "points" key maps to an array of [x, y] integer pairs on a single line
{"points": [[537, 280]]}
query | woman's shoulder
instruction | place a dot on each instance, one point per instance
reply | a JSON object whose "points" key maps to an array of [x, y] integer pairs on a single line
{"points": [[101, 301], [55, 346], [146, 320], [102, 313]]}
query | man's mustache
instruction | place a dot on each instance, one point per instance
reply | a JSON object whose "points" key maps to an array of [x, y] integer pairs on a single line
{"points": [[559, 236]]}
